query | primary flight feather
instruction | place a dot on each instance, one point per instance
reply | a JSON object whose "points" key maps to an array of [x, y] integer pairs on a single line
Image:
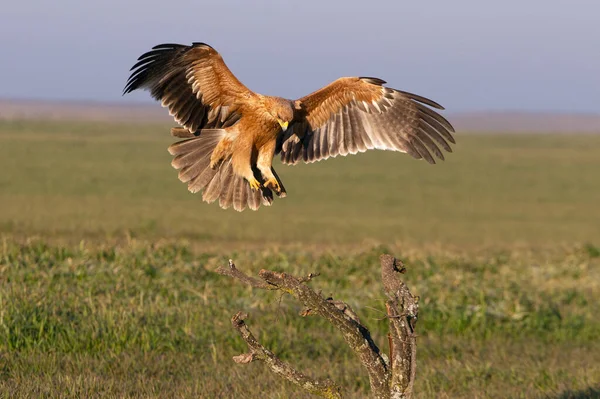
{"points": [[232, 134]]}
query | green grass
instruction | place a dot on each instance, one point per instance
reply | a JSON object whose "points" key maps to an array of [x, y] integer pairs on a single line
{"points": [[107, 286], [141, 321], [99, 181]]}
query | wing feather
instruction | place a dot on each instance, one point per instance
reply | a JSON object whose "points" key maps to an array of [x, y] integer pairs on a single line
{"points": [[341, 143], [348, 137], [191, 81], [353, 115], [422, 150], [424, 127], [437, 126], [439, 118], [430, 144]]}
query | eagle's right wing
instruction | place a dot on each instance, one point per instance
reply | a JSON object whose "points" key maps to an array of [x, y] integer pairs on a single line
{"points": [[193, 82]]}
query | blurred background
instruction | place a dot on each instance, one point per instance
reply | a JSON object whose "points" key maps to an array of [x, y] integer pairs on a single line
{"points": [[513, 55], [505, 72], [106, 268]]}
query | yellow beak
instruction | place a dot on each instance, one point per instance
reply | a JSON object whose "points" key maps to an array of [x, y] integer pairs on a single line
{"points": [[284, 125]]}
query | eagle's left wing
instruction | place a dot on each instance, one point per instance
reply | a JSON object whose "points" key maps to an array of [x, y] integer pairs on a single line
{"points": [[353, 115]]}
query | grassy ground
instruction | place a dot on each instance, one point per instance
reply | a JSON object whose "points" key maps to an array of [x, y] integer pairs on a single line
{"points": [[107, 289], [96, 181], [153, 321]]}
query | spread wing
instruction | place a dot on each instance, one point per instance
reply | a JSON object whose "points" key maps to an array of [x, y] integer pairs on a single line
{"points": [[353, 115], [193, 82]]}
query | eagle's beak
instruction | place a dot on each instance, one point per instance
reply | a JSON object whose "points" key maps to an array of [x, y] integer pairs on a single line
{"points": [[284, 125]]}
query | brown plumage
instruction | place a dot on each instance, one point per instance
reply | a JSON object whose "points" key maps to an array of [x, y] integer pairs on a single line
{"points": [[231, 133]]}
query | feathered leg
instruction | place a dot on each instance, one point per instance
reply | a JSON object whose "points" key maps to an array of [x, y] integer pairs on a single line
{"points": [[241, 159], [264, 164]]}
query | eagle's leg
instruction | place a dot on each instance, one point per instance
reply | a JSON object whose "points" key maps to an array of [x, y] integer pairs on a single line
{"points": [[263, 163], [241, 160]]}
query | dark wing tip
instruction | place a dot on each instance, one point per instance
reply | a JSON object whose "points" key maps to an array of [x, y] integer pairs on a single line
{"points": [[201, 44], [168, 46], [421, 99], [128, 88], [133, 83], [451, 128], [431, 114], [175, 46], [154, 59]]}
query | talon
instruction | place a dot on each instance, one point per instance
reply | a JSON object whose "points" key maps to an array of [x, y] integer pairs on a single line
{"points": [[273, 184], [254, 184]]}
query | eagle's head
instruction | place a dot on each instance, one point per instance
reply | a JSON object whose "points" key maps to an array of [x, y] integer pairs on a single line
{"points": [[283, 111]]}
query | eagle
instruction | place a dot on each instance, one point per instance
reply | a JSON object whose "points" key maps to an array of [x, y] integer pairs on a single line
{"points": [[231, 134]]}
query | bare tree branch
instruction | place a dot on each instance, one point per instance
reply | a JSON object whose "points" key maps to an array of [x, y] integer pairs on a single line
{"points": [[402, 309], [234, 272], [394, 380], [341, 305], [355, 334], [325, 388]]}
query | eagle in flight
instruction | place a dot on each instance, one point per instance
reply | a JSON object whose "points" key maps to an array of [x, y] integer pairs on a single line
{"points": [[231, 133]]}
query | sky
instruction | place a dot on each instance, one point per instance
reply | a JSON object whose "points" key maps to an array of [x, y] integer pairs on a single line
{"points": [[469, 55]]}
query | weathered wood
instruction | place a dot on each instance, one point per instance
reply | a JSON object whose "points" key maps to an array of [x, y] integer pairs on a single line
{"points": [[355, 334], [325, 388], [402, 309], [393, 379], [234, 272]]}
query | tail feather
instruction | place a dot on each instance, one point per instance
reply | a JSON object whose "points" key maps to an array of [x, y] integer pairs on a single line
{"points": [[188, 172], [213, 190], [254, 198], [182, 132], [192, 159], [240, 195], [188, 158], [199, 182], [226, 197]]}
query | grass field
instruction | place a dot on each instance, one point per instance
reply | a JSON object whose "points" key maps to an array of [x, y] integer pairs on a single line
{"points": [[103, 181], [107, 289]]}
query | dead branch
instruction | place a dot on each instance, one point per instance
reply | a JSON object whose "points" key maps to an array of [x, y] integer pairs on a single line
{"points": [[341, 305], [234, 272], [355, 334], [402, 309], [324, 388], [388, 380]]}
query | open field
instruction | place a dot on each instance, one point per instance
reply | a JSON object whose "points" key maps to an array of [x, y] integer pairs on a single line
{"points": [[79, 181], [107, 289], [142, 321]]}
